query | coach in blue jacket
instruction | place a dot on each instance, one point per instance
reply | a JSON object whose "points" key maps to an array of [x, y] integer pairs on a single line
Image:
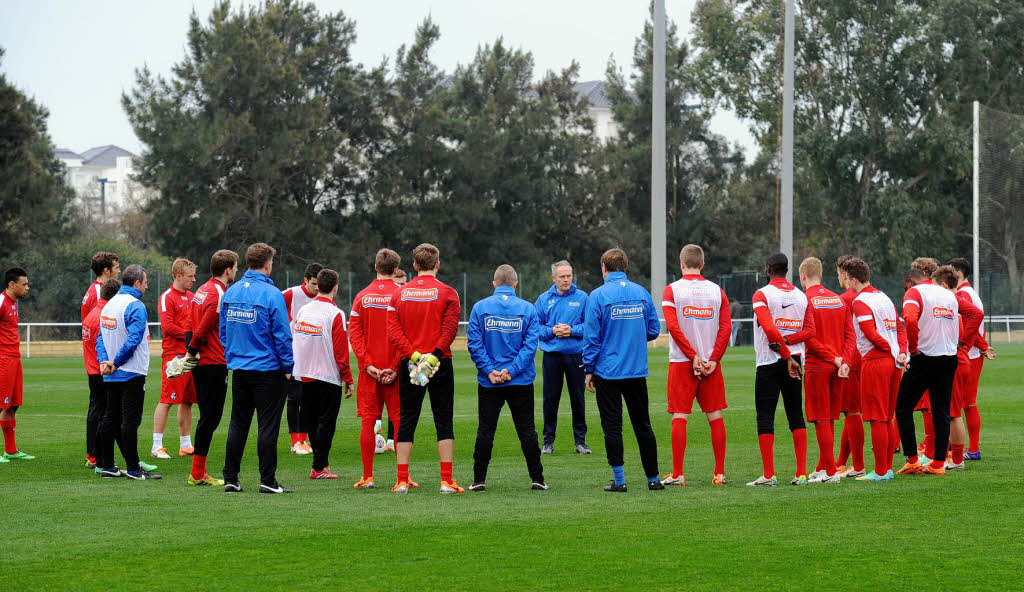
{"points": [[258, 350], [620, 320], [502, 340], [560, 312]]}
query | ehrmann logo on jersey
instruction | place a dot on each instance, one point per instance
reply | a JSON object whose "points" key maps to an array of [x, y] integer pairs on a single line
{"points": [[503, 324], [376, 301], [237, 314], [309, 329], [108, 322], [419, 294], [941, 312], [701, 313], [827, 302], [621, 312], [788, 325], [889, 324]]}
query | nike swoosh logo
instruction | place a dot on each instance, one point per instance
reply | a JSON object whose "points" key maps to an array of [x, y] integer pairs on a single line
{"points": [[787, 305]]}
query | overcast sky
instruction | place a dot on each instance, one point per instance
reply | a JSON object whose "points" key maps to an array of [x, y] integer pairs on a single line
{"points": [[77, 57]]}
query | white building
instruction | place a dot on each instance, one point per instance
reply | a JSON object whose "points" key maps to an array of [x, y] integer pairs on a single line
{"points": [[103, 171], [599, 106]]}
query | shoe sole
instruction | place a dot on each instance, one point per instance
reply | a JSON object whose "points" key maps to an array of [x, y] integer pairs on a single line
{"points": [[233, 489]]}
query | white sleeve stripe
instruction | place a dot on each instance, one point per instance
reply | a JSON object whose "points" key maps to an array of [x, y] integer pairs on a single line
{"points": [[163, 302], [862, 318], [914, 302], [353, 313], [667, 303], [759, 304], [391, 309]]}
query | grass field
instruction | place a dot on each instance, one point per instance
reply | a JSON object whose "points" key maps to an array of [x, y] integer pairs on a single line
{"points": [[65, 528]]}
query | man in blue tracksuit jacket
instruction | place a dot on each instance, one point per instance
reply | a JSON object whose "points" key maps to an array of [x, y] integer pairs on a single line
{"points": [[502, 339], [258, 350], [620, 320], [560, 311]]}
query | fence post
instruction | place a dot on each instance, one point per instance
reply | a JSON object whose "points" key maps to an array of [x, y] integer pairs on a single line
{"points": [[1008, 338], [465, 295], [28, 341], [350, 288]]}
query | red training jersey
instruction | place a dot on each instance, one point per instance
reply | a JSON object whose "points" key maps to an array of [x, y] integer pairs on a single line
{"points": [[368, 326], [175, 321], [90, 330], [834, 336], [423, 317], [848, 297], [92, 296], [205, 323], [10, 343], [691, 305]]}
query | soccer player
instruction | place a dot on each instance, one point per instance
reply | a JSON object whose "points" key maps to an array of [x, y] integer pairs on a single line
{"points": [[106, 267], [560, 312], [122, 349], [976, 358], [320, 345], [698, 317], [258, 350], [294, 299], [97, 392], [11, 381], [827, 364], [619, 321], [851, 443], [424, 317], [912, 278], [377, 358], [784, 323], [211, 372], [400, 277], [882, 344], [930, 312], [502, 339], [175, 319]]}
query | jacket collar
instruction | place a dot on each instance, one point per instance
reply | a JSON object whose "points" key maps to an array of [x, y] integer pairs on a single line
{"points": [[130, 291], [254, 276], [554, 290], [324, 299], [781, 283], [616, 276], [504, 290], [693, 276]]}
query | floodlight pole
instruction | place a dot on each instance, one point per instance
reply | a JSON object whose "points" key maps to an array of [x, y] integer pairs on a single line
{"points": [[658, 214], [976, 187], [786, 202]]}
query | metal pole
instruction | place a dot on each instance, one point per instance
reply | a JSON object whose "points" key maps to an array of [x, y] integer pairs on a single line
{"points": [[350, 288], [28, 340], [658, 156], [786, 214], [977, 194], [465, 302]]}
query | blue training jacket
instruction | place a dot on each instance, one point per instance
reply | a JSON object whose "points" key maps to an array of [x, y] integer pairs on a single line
{"points": [[502, 334], [553, 309], [135, 320], [620, 320], [254, 325]]}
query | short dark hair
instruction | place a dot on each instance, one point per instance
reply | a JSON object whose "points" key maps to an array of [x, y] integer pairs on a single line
{"points": [[614, 259], [777, 264], [102, 261], [109, 289], [222, 261], [258, 254], [842, 259], [960, 264], [944, 275], [425, 257], [13, 275], [386, 262], [399, 273], [312, 270], [858, 269], [914, 277], [326, 280], [133, 273]]}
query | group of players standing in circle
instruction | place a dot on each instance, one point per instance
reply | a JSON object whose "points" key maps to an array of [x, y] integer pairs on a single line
{"points": [[850, 354]]}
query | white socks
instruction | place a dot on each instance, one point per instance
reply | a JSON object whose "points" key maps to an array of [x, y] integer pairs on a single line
{"points": [[158, 441], [186, 441]]}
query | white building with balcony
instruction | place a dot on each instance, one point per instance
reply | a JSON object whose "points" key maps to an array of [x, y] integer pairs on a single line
{"points": [[101, 176]]}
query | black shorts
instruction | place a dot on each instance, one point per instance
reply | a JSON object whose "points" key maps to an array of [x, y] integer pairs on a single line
{"points": [[442, 402]]}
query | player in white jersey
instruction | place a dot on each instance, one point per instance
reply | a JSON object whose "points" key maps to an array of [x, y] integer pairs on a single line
{"points": [[784, 323], [699, 321], [294, 299]]}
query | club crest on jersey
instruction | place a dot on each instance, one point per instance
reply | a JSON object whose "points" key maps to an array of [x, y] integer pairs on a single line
{"points": [[941, 312], [503, 324], [377, 301], [309, 329], [700, 293], [890, 324], [419, 294], [826, 302], [108, 322], [701, 313], [622, 312], [787, 325], [237, 314], [86, 334], [199, 297]]}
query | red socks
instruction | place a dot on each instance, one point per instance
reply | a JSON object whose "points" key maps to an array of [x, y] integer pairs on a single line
{"points": [[304, 437], [718, 444], [844, 442], [856, 429], [446, 471], [880, 446], [767, 444], [295, 438], [403, 473], [826, 438], [800, 449], [894, 436], [678, 445], [929, 434], [198, 466], [973, 420], [10, 447], [958, 453], [367, 440]]}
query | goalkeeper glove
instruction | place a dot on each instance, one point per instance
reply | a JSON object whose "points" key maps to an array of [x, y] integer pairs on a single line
{"points": [[428, 365]]}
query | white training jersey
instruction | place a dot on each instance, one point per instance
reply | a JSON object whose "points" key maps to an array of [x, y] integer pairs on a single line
{"points": [[698, 303], [788, 309], [115, 333], [938, 323], [883, 313], [313, 342], [297, 300], [974, 352]]}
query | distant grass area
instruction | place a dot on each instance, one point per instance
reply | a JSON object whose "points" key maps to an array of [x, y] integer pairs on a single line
{"points": [[67, 529]]}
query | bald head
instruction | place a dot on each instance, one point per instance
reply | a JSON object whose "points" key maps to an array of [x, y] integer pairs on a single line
{"points": [[505, 275]]}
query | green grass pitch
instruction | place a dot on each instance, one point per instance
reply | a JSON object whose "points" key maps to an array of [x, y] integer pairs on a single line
{"points": [[65, 528]]}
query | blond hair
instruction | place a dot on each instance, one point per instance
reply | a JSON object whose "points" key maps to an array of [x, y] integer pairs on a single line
{"points": [[810, 268], [692, 256], [182, 266]]}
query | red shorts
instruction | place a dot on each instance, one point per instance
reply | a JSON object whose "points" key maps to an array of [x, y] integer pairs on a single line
{"points": [[175, 391], [851, 392], [971, 394], [823, 393], [372, 396], [10, 382], [925, 403], [684, 387], [879, 384]]}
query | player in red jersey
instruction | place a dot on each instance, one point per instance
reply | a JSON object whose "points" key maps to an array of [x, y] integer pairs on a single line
{"points": [[211, 371], [294, 299], [827, 366], [699, 320], [377, 358], [423, 320], [175, 306], [106, 267], [851, 443], [97, 394], [911, 278], [16, 288], [400, 278], [976, 358]]}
